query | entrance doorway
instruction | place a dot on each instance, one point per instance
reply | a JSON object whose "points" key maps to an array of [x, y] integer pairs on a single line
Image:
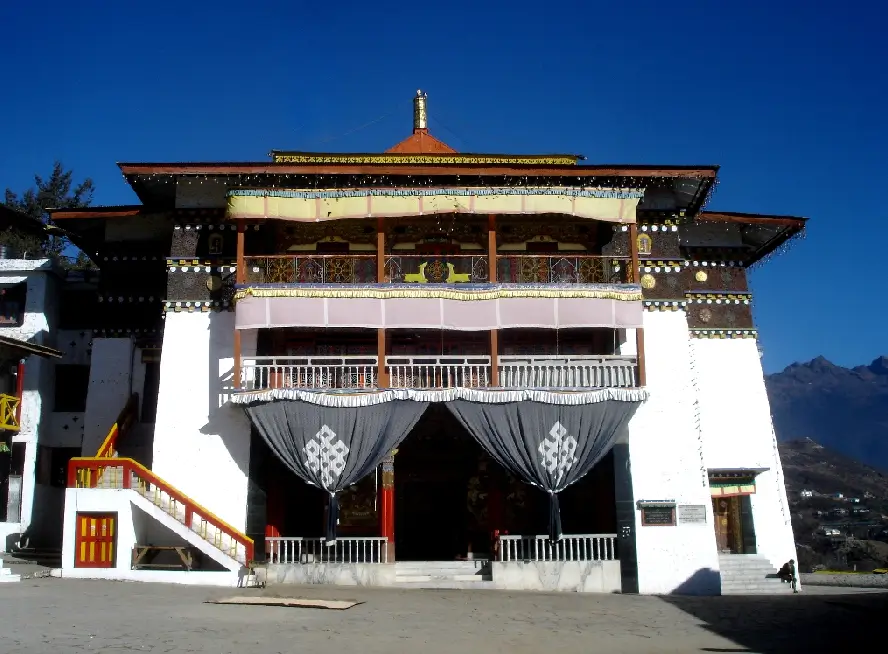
{"points": [[728, 524], [440, 494]]}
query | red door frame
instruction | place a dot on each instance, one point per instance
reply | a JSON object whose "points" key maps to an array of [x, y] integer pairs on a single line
{"points": [[95, 542]]}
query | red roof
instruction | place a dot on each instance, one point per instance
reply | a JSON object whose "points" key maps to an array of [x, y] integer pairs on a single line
{"points": [[421, 142]]}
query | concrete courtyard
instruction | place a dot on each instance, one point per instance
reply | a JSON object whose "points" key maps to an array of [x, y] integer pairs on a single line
{"points": [[58, 615]]}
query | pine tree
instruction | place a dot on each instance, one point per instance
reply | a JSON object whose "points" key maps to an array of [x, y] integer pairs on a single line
{"points": [[54, 192]]}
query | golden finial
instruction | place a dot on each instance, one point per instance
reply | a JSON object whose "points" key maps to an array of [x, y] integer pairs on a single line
{"points": [[420, 113]]}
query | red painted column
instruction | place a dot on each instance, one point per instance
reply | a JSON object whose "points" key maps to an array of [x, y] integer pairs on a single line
{"points": [[387, 505], [19, 390]]}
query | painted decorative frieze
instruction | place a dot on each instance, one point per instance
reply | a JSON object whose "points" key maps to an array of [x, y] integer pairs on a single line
{"points": [[721, 314], [715, 276]]}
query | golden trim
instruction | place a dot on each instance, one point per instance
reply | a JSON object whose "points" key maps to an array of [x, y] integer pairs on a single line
{"points": [[308, 158], [443, 293]]}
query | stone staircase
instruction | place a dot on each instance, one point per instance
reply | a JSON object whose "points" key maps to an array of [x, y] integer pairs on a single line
{"points": [[443, 574], [221, 542], [749, 574]]}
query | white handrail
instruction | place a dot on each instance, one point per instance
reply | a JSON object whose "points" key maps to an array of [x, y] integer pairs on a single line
{"points": [[439, 371], [347, 371], [420, 371], [568, 371], [571, 547], [294, 550]]}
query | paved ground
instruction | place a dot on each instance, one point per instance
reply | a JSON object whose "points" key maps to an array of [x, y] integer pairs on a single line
{"points": [[57, 615]]}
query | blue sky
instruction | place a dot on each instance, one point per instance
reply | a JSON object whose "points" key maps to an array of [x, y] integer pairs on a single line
{"points": [[789, 100]]}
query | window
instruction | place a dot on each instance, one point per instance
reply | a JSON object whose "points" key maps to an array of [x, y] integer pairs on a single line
{"points": [[12, 305], [52, 465], [215, 244], [71, 386], [77, 309]]}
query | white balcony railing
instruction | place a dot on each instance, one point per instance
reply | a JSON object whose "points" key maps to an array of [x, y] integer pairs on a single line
{"points": [[259, 373], [567, 371], [573, 547], [298, 550], [439, 372], [515, 371]]}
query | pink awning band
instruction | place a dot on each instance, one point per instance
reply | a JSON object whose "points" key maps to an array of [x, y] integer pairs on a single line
{"points": [[437, 313]]}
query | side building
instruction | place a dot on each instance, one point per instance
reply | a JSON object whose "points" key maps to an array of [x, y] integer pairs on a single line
{"points": [[519, 371]]}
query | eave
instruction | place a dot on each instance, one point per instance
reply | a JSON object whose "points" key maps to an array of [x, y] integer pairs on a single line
{"points": [[762, 234], [30, 348], [442, 169], [120, 211]]}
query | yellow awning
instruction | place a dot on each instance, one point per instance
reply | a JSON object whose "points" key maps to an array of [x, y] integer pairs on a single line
{"points": [[609, 205]]}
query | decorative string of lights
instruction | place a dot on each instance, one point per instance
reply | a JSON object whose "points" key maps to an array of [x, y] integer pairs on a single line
{"points": [[722, 333], [203, 269], [197, 305], [665, 305], [698, 420]]}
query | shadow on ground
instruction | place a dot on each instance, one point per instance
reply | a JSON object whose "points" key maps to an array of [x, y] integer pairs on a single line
{"points": [[808, 622]]}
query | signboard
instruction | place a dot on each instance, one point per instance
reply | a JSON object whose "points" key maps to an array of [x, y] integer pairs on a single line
{"points": [[658, 516], [692, 514]]}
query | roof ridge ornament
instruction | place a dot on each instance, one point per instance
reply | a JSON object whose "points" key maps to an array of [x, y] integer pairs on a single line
{"points": [[420, 112]]}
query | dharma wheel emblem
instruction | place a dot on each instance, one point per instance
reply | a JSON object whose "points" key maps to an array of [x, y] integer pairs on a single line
{"points": [[325, 456], [557, 452]]}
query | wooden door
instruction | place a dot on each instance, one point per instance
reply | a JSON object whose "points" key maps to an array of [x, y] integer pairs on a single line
{"points": [[96, 540], [728, 534]]}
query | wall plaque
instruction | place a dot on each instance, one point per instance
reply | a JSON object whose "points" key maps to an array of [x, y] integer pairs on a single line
{"points": [[658, 516], [692, 514]]}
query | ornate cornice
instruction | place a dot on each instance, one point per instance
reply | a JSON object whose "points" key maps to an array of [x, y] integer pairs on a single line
{"points": [[474, 159], [473, 292]]}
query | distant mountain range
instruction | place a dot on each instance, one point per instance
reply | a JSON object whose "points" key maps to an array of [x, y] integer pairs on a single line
{"points": [[843, 409]]}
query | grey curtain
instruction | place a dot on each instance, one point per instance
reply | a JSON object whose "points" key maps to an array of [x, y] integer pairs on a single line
{"points": [[333, 448], [547, 445]]}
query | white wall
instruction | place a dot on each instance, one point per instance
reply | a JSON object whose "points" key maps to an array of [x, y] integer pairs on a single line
{"points": [[201, 442], [39, 322], [666, 458], [735, 421], [66, 428], [109, 388], [133, 526]]}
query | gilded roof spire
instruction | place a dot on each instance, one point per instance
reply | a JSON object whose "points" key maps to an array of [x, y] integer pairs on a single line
{"points": [[420, 113]]}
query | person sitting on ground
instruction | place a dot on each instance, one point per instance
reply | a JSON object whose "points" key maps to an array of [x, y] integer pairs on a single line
{"points": [[787, 574]]}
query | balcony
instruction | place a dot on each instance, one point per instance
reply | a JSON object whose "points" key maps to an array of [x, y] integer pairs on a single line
{"points": [[362, 372], [560, 268]]}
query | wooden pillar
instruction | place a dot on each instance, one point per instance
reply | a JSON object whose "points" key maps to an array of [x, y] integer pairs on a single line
{"points": [[382, 376], [19, 390], [387, 506], [240, 278], [636, 277], [491, 265], [241, 274], [380, 250]]}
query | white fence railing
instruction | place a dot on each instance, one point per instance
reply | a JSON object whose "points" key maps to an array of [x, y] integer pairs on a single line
{"points": [[567, 371], [439, 372], [515, 371], [309, 372], [297, 550], [571, 547]]}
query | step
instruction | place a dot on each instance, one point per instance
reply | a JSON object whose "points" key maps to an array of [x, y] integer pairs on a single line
{"points": [[447, 585], [9, 579], [440, 577]]}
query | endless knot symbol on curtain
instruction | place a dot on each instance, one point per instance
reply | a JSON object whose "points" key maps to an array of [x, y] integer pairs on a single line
{"points": [[325, 456], [558, 452]]}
